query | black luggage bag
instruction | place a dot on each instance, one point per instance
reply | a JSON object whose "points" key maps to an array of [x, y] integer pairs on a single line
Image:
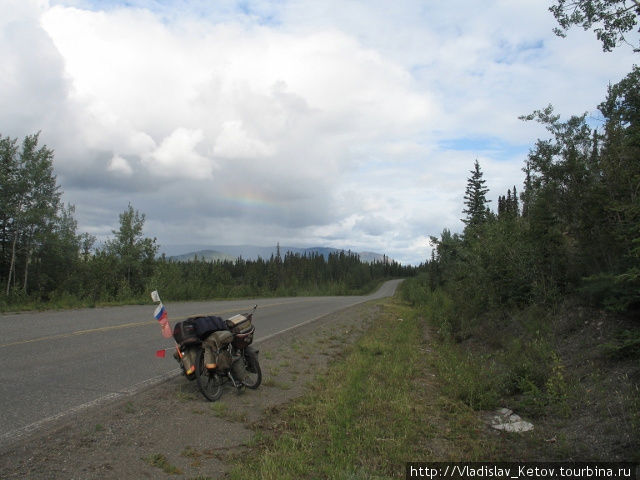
{"points": [[195, 329]]}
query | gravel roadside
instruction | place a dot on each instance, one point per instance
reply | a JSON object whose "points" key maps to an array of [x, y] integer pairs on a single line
{"points": [[169, 430]]}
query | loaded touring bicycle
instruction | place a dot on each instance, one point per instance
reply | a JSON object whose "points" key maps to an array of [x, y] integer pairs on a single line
{"points": [[214, 351]]}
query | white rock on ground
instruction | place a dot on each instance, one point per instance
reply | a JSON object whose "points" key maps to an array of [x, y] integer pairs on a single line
{"points": [[508, 421]]}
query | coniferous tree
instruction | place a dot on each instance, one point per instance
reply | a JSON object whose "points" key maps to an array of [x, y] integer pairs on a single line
{"points": [[526, 195], [475, 199], [501, 205], [619, 177]]}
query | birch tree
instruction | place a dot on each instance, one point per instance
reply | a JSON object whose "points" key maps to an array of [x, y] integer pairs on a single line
{"points": [[30, 199]]}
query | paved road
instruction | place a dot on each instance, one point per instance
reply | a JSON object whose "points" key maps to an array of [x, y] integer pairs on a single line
{"points": [[53, 363]]}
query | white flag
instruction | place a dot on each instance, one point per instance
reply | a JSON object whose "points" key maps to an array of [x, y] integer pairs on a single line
{"points": [[154, 296]]}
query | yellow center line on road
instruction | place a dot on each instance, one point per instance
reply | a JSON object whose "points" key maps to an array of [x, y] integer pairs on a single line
{"points": [[133, 324], [78, 332], [112, 327]]}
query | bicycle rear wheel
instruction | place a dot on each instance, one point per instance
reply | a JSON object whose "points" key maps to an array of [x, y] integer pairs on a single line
{"points": [[210, 382]]}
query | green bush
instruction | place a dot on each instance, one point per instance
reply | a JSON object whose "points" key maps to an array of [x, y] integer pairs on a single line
{"points": [[527, 362], [625, 345], [472, 379]]}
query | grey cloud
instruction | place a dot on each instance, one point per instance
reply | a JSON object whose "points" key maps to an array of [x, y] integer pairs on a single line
{"points": [[296, 122], [33, 88], [375, 225]]}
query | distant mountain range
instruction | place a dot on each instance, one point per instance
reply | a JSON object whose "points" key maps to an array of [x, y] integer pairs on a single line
{"points": [[250, 252]]}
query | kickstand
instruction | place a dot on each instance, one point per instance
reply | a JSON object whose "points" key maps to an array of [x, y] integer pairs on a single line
{"points": [[239, 386]]}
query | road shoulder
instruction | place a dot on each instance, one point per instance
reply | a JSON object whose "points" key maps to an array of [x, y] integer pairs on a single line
{"points": [[171, 428]]}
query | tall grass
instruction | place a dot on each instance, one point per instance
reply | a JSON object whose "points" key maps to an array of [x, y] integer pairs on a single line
{"points": [[374, 410], [358, 420], [487, 361]]}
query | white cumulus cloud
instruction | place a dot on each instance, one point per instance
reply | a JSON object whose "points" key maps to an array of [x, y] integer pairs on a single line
{"points": [[177, 156], [120, 165], [345, 124]]}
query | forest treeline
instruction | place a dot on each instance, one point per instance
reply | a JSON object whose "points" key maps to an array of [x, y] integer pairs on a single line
{"points": [[535, 305], [573, 230], [44, 261]]}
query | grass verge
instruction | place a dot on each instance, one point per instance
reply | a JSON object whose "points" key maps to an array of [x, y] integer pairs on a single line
{"points": [[375, 409], [570, 369], [403, 394], [160, 461]]}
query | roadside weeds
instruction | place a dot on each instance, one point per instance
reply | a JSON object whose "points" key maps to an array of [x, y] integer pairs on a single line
{"points": [[377, 407], [355, 395], [386, 401]]}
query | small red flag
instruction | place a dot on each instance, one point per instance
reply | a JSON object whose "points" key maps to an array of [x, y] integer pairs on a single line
{"points": [[161, 353]]}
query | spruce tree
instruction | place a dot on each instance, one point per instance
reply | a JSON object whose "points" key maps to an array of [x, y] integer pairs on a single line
{"points": [[475, 199]]}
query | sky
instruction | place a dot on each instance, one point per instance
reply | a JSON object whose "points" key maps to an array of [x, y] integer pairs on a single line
{"points": [[345, 124]]}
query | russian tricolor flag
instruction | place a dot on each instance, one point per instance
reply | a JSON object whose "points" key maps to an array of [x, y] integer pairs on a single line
{"points": [[160, 313]]}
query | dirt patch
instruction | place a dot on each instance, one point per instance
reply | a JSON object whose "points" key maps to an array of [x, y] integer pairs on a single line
{"points": [[597, 414], [170, 430], [602, 392]]}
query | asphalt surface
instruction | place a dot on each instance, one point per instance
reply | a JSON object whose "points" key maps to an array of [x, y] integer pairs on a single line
{"points": [[60, 362]]}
